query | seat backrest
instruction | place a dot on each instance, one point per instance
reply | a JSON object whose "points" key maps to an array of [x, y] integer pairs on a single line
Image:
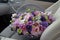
{"points": [[52, 32]]}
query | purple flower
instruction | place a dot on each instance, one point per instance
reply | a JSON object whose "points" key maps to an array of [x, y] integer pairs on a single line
{"points": [[30, 22], [44, 23]]}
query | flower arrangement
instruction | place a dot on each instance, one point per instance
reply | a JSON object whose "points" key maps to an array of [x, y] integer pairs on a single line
{"points": [[31, 22]]}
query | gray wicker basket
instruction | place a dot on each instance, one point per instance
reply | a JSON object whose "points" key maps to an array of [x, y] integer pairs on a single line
{"points": [[30, 6]]}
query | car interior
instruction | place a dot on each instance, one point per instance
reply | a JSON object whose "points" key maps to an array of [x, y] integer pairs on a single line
{"points": [[6, 12]]}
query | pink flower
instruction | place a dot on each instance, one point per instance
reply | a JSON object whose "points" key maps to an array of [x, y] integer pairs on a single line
{"points": [[36, 12], [27, 16], [16, 23], [35, 31]]}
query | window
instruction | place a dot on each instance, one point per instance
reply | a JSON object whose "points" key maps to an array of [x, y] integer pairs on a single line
{"points": [[3, 1], [49, 0]]}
